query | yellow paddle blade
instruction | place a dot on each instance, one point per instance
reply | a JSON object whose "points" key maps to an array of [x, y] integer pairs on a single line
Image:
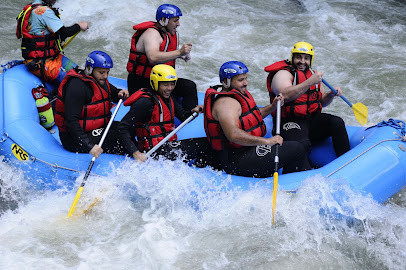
{"points": [[75, 202], [275, 188], [91, 206], [361, 112]]}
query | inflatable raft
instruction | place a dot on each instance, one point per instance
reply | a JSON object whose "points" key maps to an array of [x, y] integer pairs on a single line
{"points": [[376, 163]]}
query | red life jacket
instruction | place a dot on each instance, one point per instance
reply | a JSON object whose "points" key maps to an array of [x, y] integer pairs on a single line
{"points": [[32, 46], [138, 61], [250, 120], [161, 123], [95, 114], [307, 104]]}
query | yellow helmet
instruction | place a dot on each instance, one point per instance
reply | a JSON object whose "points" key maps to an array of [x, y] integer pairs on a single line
{"points": [[162, 73], [303, 47]]}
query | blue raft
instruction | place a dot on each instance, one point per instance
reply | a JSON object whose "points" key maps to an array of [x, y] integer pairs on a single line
{"points": [[376, 163]]}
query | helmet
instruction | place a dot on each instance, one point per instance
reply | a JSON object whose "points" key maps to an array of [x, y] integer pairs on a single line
{"points": [[99, 59], [167, 11], [303, 47], [49, 2], [162, 73], [231, 69]]}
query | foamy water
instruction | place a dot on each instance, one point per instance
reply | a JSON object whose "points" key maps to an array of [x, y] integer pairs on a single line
{"points": [[157, 226], [146, 217]]}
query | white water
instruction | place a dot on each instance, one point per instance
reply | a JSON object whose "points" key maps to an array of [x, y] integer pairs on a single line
{"points": [[359, 45], [157, 227]]}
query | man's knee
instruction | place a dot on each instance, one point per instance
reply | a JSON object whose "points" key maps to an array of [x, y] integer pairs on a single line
{"points": [[301, 148], [337, 124], [338, 121]]}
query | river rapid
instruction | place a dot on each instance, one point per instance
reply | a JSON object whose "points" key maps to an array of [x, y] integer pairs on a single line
{"points": [[360, 46]]}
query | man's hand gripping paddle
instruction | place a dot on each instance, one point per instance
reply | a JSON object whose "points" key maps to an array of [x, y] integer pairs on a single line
{"points": [[360, 110], [80, 190]]}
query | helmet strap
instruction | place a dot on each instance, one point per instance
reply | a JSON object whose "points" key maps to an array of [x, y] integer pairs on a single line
{"points": [[88, 70], [226, 83], [164, 21]]}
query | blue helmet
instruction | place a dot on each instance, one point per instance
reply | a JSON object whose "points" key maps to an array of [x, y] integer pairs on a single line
{"points": [[99, 59], [231, 69], [167, 11]]}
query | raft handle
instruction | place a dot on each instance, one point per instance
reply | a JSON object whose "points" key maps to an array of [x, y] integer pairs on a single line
{"points": [[402, 137], [54, 167], [4, 137]]}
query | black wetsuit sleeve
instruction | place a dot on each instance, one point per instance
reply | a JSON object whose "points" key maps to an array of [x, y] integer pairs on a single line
{"points": [[114, 93], [181, 113], [76, 96], [140, 112], [65, 32]]}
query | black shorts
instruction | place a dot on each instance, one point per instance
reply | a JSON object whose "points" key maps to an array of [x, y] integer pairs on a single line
{"points": [[316, 129], [112, 143], [259, 161], [195, 150]]}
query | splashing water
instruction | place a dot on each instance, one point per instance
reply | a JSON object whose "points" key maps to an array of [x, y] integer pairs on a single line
{"points": [[147, 217], [165, 215]]}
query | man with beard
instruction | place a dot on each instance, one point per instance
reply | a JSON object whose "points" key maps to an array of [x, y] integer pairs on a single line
{"points": [[235, 129], [83, 107], [42, 31], [301, 116], [157, 43]]}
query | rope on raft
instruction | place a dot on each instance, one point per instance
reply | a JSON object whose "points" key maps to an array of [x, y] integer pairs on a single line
{"points": [[11, 64], [396, 124], [56, 166]]}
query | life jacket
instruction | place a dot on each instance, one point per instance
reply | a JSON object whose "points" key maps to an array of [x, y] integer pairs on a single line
{"points": [[138, 62], [33, 46], [250, 120], [95, 114], [304, 106], [161, 123]]}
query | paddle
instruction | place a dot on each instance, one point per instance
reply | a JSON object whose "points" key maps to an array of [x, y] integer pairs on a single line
{"points": [[80, 190], [190, 118], [360, 110], [150, 152], [275, 175], [69, 40]]}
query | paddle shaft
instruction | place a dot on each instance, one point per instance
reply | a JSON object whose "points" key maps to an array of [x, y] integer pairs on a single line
{"points": [[335, 91], [69, 40], [278, 132], [190, 118], [275, 175], [80, 190]]}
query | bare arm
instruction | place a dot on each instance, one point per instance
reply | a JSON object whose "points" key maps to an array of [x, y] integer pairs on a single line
{"points": [[265, 111], [282, 84], [327, 98], [227, 111], [151, 40]]}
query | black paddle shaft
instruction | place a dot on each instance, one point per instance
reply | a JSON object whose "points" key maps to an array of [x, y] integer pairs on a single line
{"points": [[278, 131]]}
